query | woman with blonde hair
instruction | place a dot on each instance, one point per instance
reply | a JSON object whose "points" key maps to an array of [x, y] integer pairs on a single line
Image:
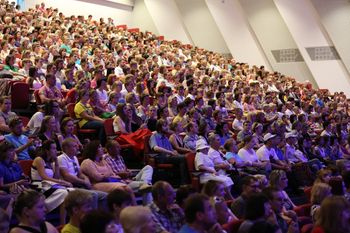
{"points": [[318, 193], [323, 176], [334, 216], [279, 181], [137, 219]]}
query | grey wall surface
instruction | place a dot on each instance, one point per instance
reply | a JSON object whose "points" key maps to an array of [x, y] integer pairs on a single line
{"points": [[275, 39]]}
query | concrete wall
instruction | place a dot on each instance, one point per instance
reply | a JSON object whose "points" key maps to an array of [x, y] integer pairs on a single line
{"points": [[334, 16], [238, 36], [201, 26], [273, 35], [120, 13], [303, 23]]}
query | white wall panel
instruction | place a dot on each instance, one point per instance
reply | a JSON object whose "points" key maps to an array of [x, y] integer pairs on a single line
{"points": [[167, 19], [236, 32], [304, 25]]}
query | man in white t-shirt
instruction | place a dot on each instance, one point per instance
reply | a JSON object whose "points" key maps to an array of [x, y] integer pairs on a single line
{"points": [[267, 152], [70, 170]]}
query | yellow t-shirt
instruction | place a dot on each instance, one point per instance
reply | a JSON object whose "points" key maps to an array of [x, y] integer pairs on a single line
{"points": [[68, 228], [79, 109]]}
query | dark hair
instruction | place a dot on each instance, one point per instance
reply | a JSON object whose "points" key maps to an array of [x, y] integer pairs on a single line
{"points": [[118, 197], [64, 123], [183, 192], [255, 206], [210, 187], [263, 227], [26, 199], [48, 108], [158, 189], [44, 148], [14, 122], [5, 146], [90, 150], [95, 221], [193, 205], [159, 125]]}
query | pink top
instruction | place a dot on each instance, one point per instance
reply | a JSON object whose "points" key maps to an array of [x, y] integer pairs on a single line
{"points": [[96, 172]]}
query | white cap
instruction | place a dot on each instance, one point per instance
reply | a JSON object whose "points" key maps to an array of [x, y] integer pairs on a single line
{"points": [[268, 136], [201, 144]]}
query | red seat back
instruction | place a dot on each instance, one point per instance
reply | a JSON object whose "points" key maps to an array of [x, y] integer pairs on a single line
{"points": [[26, 165], [70, 109], [20, 95], [108, 124], [37, 97]]}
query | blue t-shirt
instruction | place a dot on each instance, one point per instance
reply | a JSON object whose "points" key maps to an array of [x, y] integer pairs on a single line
{"points": [[18, 142], [187, 229], [10, 172], [230, 155]]}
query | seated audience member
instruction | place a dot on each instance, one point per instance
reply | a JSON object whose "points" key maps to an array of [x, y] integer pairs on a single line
{"points": [[267, 153], [166, 214], [98, 221], [191, 136], [97, 106], [278, 180], [50, 108], [87, 118], [246, 131], [48, 131], [98, 171], [223, 214], [4, 221], [71, 172], [117, 200], [333, 216], [34, 79], [137, 219], [264, 227], [323, 176], [50, 92], [223, 131], [231, 154], [160, 144], [248, 155], [6, 115], [249, 186], [46, 174], [77, 204], [319, 192], [200, 215], [176, 139], [122, 123], [24, 145], [67, 131], [182, 193], [286, 220], [30, 211], [258, 209], [237, 124], [214, 188], [12, 179], [142, 179], [206, 166]]}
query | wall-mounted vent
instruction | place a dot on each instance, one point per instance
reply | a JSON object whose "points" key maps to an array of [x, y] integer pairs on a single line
{"points": [[287, 55], [323, 53]]}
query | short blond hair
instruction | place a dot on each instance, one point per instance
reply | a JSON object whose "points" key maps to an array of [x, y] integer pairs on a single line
{"points": [[133, 218]]}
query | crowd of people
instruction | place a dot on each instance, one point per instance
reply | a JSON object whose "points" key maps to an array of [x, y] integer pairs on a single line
{"points": [[257, 136]]}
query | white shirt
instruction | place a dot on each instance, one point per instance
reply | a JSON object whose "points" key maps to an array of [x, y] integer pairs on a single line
{"points": [[71, 165], [248, 156], [264, 154]]}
